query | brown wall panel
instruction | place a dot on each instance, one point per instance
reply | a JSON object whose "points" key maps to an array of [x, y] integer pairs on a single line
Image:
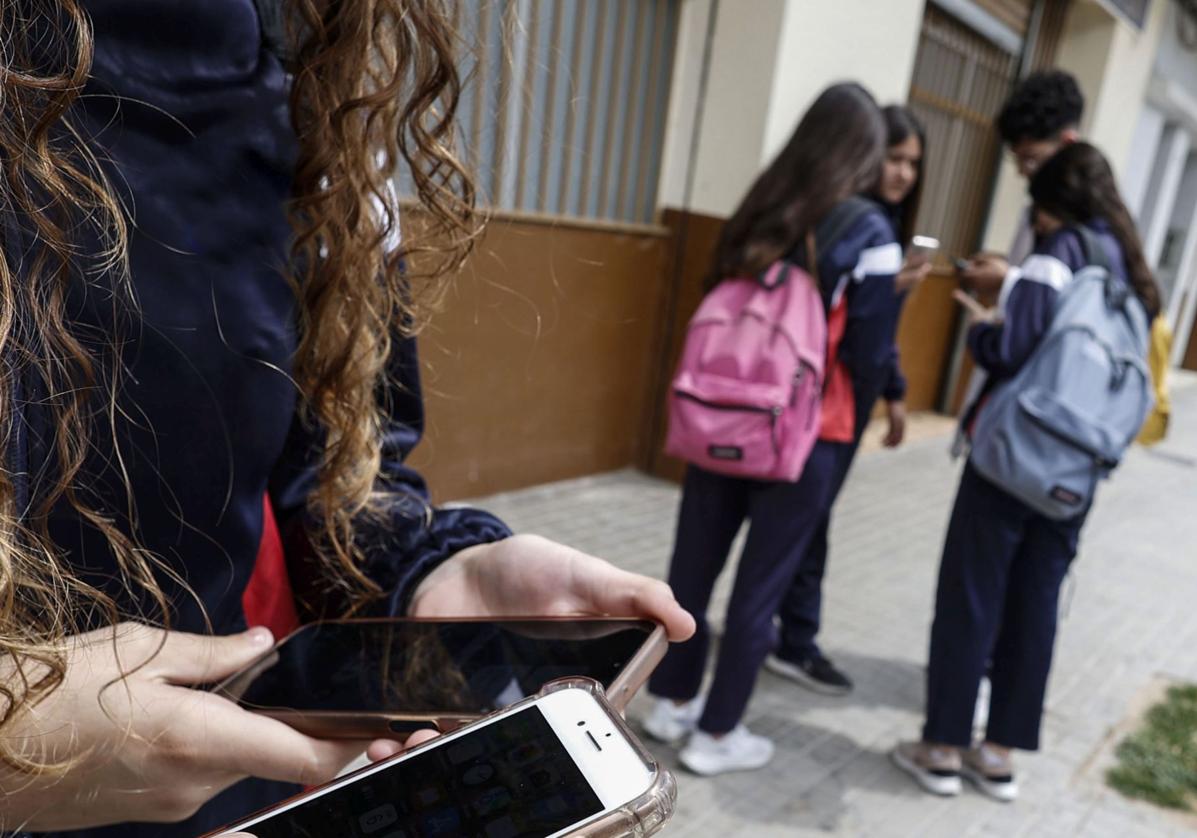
{"points": [[925, 336], [692, 246], [540, 365]]}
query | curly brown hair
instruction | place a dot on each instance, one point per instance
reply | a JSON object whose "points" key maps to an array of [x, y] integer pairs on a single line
{"points": [[375, 88]]}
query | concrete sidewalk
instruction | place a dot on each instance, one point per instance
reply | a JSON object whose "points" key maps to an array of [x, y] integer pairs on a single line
{"points": [[1130, 619]]}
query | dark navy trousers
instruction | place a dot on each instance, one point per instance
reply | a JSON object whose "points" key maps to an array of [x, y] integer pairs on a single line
{"points": [[997, 602], [802, 606], [783, 519]]}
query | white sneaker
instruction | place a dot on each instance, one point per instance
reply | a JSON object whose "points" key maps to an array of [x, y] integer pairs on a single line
{"points": [[668, 722], [738, 750]]}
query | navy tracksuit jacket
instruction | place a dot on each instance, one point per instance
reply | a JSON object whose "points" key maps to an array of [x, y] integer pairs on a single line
{"points": [[801, 609], [188, 107]]}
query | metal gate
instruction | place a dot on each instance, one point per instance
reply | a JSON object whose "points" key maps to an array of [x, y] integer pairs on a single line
{"points": [[960, 81]]}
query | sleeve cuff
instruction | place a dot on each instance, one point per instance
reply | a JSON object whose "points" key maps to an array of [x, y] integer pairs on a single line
{"points": [[895, 392], [407, 551]]}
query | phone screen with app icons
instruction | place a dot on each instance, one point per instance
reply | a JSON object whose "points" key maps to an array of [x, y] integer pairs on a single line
{"points": [[509, 779]]}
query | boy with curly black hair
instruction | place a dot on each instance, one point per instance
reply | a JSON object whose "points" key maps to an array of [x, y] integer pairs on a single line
{"points": [[1042, 115]]}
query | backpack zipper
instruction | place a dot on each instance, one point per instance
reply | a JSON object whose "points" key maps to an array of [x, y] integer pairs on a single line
{"points": [[774, 413], [742, 408]]}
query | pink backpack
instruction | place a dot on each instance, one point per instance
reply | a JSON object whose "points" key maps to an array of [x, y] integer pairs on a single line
{"points": [[746, 395]]}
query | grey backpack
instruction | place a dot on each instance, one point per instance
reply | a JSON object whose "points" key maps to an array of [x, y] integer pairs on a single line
{"points": [[1063, 422]]}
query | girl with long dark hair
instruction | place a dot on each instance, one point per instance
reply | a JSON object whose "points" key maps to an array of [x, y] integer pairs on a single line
{"points": [[898, 191], [1003, 562], [204, 328], [834, 154]]}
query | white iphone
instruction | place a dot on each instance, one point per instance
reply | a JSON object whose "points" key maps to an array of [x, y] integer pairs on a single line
{"points": [[546, 767]]}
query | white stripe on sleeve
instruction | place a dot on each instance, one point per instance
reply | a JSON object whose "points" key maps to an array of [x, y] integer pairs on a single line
{"points": [[885, 260], [1008, 282], [1046, 269]]}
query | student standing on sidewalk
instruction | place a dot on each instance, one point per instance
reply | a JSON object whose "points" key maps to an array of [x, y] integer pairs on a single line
{"points": [[798, 656], [1003, 561], [1041, 116], [834, 154]]}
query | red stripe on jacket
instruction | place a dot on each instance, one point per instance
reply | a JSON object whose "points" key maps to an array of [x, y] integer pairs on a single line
{"points": [[269, 599]]}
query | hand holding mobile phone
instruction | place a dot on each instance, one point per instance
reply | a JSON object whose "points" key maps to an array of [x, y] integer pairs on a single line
{"points": [[976, 311], [562, 763], [367, 679], [917, 264], [923, 246]]}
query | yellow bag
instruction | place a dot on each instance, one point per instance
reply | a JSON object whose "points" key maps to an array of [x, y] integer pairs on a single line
{"points": [[1159, 360]]}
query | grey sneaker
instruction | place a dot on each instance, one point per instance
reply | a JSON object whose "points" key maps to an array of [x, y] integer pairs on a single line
{"points": [[992, 772], [935, 768]]}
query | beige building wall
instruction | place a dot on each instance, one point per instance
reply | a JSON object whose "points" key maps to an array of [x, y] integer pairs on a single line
{"points": [[1117, 86], [735, 111], [1113, 62], [769, 60], [683, 101], [827, 41]]}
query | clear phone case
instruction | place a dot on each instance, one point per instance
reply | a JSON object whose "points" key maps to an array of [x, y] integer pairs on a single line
{"points": [[646, 815]]}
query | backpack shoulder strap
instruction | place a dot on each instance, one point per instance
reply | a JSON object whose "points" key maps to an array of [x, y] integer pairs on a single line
{"points": [[1095, 251], [828, 231], [840, 220]]}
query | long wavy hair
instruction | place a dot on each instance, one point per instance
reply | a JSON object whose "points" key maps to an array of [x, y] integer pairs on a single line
{"points": [[375, 87], [1077, 186]]}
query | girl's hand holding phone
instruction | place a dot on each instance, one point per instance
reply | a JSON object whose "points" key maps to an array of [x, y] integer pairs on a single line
{"points": [[530, 576], [976, 312], [150, 747], [914, 270]]}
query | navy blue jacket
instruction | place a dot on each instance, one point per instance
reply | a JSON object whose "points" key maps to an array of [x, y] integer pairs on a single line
{"points": [[190, 109], [859, 270], [895, 387], [1002, 349]]}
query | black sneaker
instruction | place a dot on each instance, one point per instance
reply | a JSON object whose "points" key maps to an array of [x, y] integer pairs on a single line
{"points": [[816, 674]]}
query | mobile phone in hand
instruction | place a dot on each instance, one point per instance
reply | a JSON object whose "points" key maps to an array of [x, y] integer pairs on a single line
{"points": [[923, 246], [368, 679], [560, 764]]}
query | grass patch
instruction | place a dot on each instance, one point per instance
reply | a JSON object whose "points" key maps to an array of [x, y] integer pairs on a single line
{"points": [[1158, 763]]}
